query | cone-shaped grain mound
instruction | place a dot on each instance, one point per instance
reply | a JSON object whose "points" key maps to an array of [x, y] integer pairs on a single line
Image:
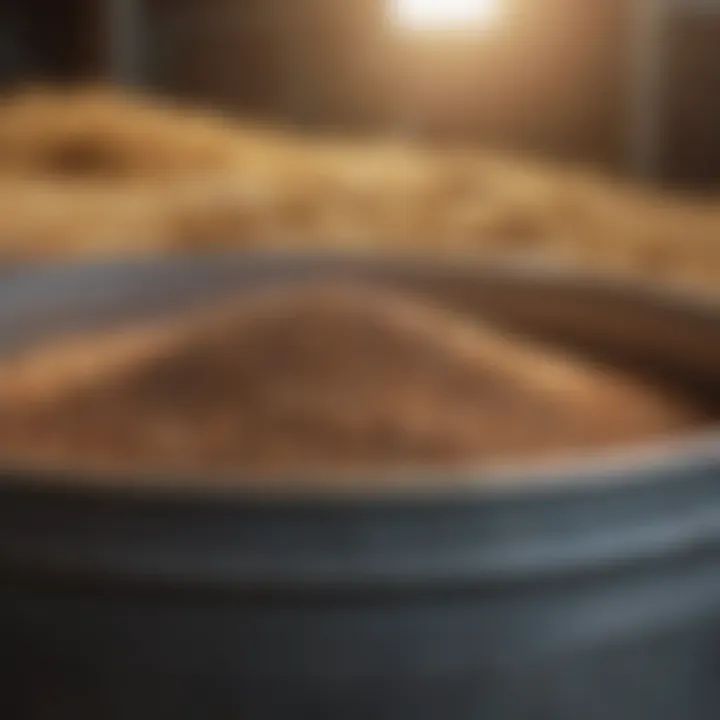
{"points": [[309, 378]]}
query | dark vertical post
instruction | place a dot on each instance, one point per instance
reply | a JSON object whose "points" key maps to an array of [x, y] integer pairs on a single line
{"points": [[124, 47], [646, 92]]}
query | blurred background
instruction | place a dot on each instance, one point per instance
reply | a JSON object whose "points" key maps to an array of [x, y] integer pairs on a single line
{"points": [[628, 85]]}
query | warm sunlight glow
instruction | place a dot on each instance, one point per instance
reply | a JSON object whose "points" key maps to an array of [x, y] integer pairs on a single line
{"points": [[443, 14]]}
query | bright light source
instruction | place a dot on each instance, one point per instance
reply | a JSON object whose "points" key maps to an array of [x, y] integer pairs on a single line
{"points": [[443, 14]]}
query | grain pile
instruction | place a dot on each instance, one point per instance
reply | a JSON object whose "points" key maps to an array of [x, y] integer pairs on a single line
{"points": [[314, 377], [92, 173]]}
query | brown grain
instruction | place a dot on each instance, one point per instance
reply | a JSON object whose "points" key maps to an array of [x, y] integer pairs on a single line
{"points": [[90, 173], [315, 377]]}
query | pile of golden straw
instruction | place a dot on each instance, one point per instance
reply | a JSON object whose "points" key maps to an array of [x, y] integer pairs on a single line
{"points": [[89, 173]]}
